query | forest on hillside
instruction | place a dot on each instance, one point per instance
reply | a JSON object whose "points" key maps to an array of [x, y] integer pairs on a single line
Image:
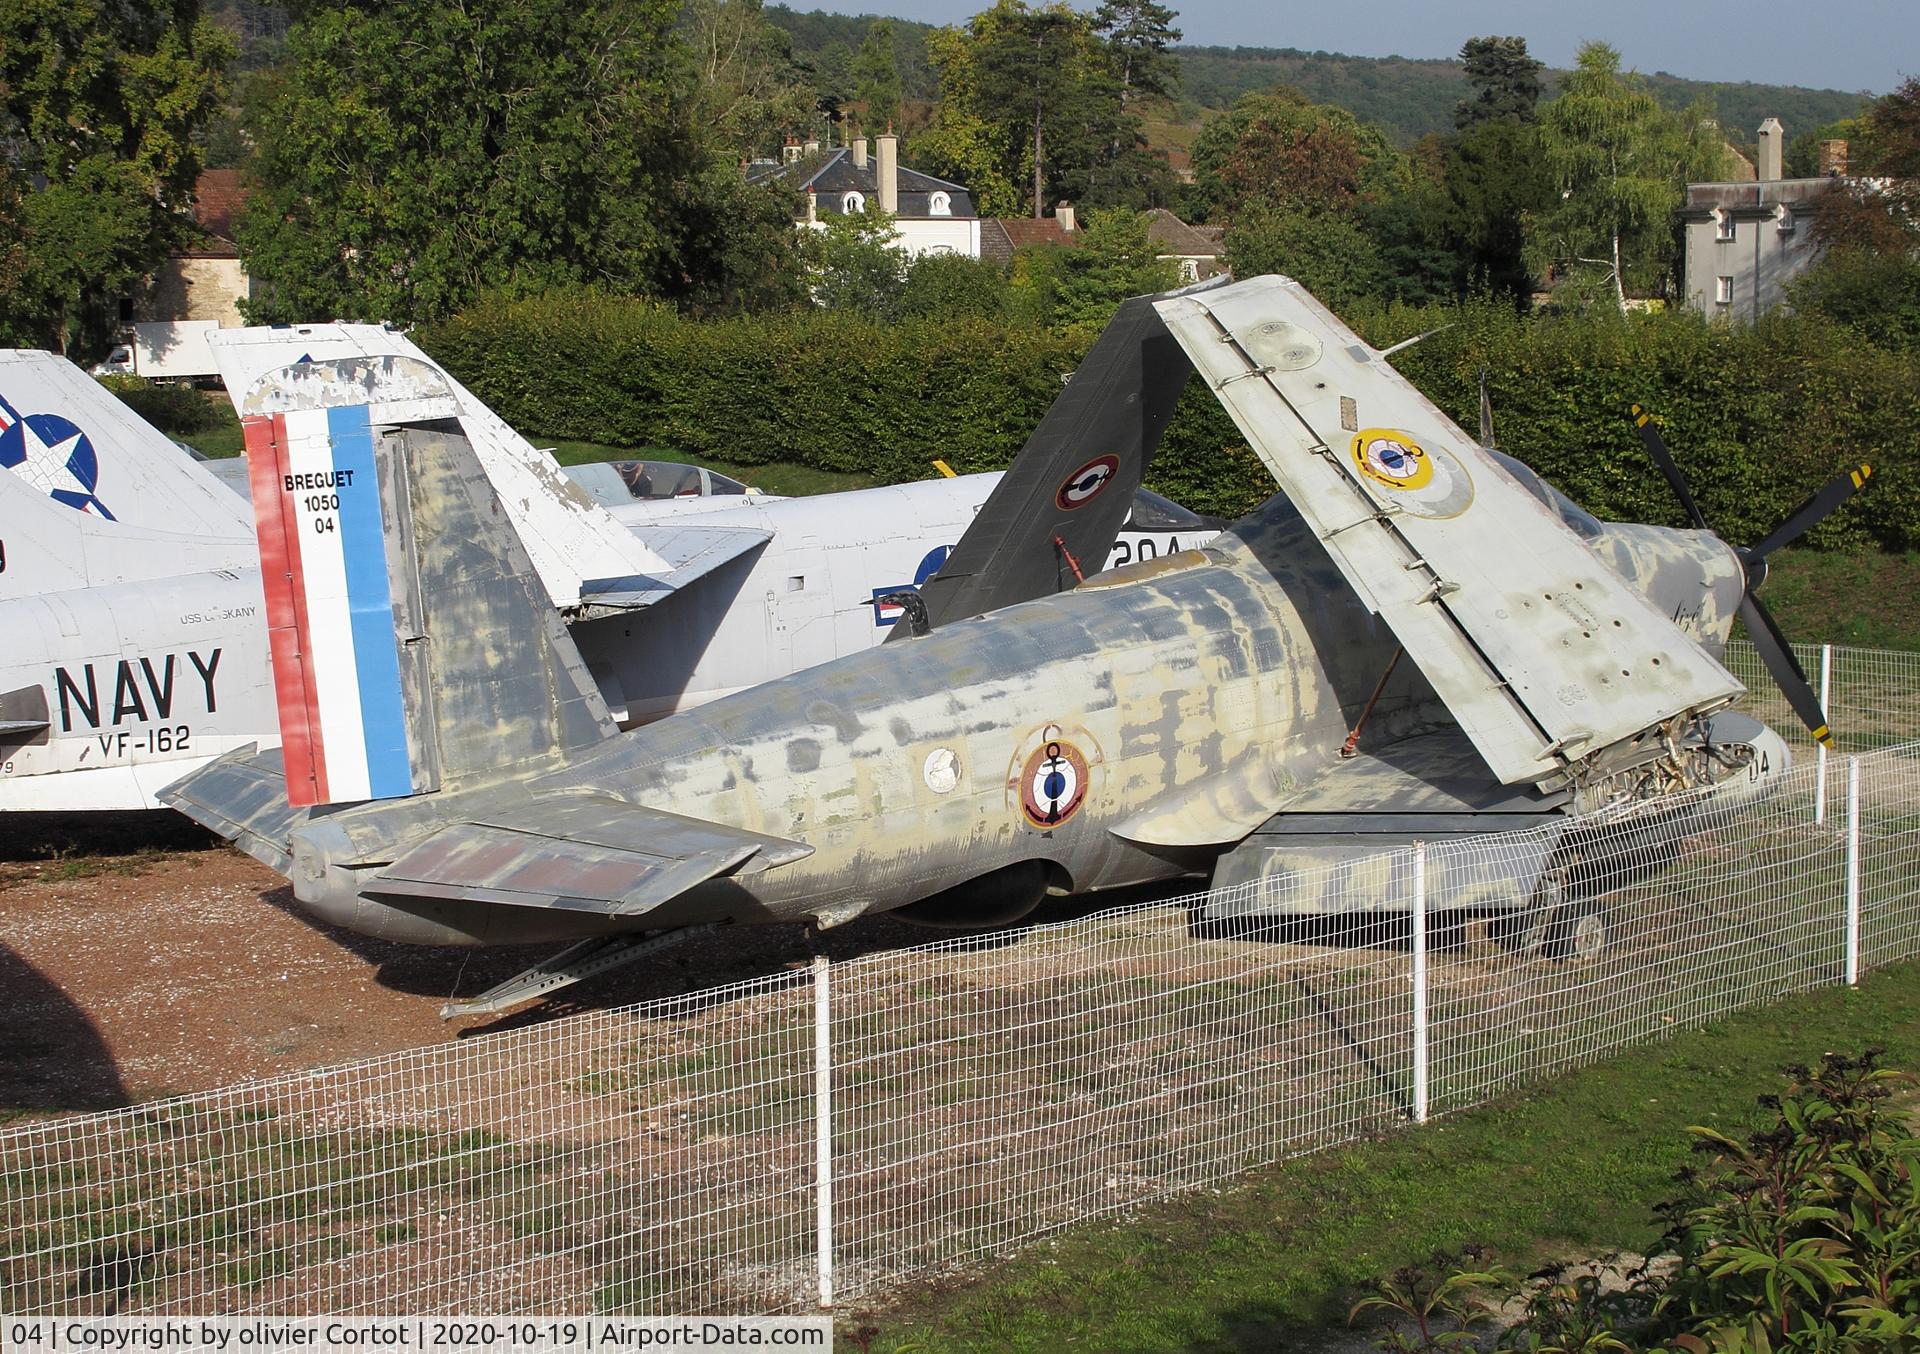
{"points": [[1410, 98]]}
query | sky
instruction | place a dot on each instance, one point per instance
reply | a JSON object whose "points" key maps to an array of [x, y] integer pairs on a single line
{"points": [[1853, 45]]}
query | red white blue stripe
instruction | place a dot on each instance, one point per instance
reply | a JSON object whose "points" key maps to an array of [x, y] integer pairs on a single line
{"points": [[329, 600]]}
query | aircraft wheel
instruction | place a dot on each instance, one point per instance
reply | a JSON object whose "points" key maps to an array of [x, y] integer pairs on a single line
{"points": [[1577, 931]]}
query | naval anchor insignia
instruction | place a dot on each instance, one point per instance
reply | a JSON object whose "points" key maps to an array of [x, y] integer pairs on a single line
{"points": [[1085, 484], [1053, 784]]}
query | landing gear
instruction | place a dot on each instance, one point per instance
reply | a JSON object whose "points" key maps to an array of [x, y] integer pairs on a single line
{"points": [[586, 959], [1553, 925]]}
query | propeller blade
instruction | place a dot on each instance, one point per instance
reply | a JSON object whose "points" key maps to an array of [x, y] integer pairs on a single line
{"points": [[1657, 448], [1777, 654], [1486, 414], [1802, 519]]}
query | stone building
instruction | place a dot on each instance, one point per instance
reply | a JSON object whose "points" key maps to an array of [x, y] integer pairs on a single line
{"points": [[1744, 241]]}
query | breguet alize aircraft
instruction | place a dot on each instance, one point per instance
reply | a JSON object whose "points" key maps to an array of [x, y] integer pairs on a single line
{"points": [[1489, 654], [130, 588]]}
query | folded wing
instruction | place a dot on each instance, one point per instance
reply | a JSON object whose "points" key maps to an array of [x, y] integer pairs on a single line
{"points": [[1541, 652]]}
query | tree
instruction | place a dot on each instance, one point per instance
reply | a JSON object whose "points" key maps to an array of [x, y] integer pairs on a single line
{"points": [[961, 145], [417, 152], [1327, 252], [744, 87], [1493, 181], [1083, 284], [1505, 80], [857, 265], [103, 103], [876, 76], [1022, 57], [1620, 163], [1877, 209], [1277, 150], [1138, 34], [952, 287]]}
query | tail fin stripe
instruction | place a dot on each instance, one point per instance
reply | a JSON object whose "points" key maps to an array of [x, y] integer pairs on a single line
{"points": [[343, 553], [383, 718], [283, 581]]}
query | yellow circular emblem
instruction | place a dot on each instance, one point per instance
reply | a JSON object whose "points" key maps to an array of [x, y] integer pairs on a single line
{"points": [[1390, 457]]}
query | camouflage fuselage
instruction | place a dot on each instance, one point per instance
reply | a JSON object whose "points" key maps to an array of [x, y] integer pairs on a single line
{"points": [[1122, 732]]}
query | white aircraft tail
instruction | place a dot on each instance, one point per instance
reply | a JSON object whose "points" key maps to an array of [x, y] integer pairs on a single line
{"points": [[413, 646], [582, 554], [64, 433], [91, 495]]}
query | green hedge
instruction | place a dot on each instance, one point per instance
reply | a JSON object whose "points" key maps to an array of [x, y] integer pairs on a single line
{"points": [[1758, 417], [170, 408]]}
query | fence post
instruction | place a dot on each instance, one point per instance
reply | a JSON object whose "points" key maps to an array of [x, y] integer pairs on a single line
{"points": [[823, 1127], [1853, 871], [1420, 982], [1820, 773]]}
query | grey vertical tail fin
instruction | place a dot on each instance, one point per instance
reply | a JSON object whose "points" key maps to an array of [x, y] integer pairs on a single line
{"points": [[414, 647]]}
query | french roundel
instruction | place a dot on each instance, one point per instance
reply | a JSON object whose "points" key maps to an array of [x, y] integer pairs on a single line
{"points": [[1085, 484], [1053, 784]]}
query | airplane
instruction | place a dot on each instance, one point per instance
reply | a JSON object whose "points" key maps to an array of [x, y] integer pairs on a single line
{"points": [[1240, 712], [131, 577], [129, 596]]}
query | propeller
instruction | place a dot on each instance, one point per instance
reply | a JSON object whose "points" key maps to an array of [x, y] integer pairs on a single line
{"points": [[1772, 646]]}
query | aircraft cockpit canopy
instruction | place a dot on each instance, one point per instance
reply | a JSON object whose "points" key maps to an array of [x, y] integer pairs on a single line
{"points": [[1583, 523], [613, 483]]}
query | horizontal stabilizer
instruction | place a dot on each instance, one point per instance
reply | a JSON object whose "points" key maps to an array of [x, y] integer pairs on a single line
{"points": [[13, 730], [690, 552], [1540, 651], [581, 852], [243, 797]]}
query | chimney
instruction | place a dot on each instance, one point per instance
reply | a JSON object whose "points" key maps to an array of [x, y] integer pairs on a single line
{"points": [[813, 145], [1063, 213], [790, 149], [859, 152], [1833, 159], [813, 204], [887, 171], [1773, 138]]}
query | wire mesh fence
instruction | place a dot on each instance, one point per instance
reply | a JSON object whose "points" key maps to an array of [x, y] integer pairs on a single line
{"points": [[976, 1093]]}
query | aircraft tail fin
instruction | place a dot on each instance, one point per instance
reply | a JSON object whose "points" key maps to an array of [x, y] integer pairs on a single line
{"points": [[414, 648]]}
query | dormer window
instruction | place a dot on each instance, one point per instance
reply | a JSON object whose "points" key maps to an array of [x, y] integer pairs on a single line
{"points": [[940, 205], [853, 202]]}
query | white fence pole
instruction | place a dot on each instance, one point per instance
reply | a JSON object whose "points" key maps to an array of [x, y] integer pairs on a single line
{"points": [[823, 1126], [1820, 775], [1853, 871], [1420, 982]]}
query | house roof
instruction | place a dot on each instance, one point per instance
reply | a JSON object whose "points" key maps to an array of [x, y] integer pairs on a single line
{"points": [[218, 196], [831, 174], [1176, 237], [1001, 235], [1172, 237]]}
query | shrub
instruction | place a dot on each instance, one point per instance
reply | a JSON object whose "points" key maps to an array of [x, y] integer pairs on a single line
{"points": [[1804, 1236], [1758, 417], [170, 408]]}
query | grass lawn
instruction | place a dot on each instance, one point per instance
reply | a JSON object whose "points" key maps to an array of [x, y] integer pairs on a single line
{"points": [[775, 477], [1865, 598], [1570, 1169]]}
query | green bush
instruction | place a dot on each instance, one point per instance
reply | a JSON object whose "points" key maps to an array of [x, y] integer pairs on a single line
{"points": [[170, 408], [1805, 1235], [1757, 417]]}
